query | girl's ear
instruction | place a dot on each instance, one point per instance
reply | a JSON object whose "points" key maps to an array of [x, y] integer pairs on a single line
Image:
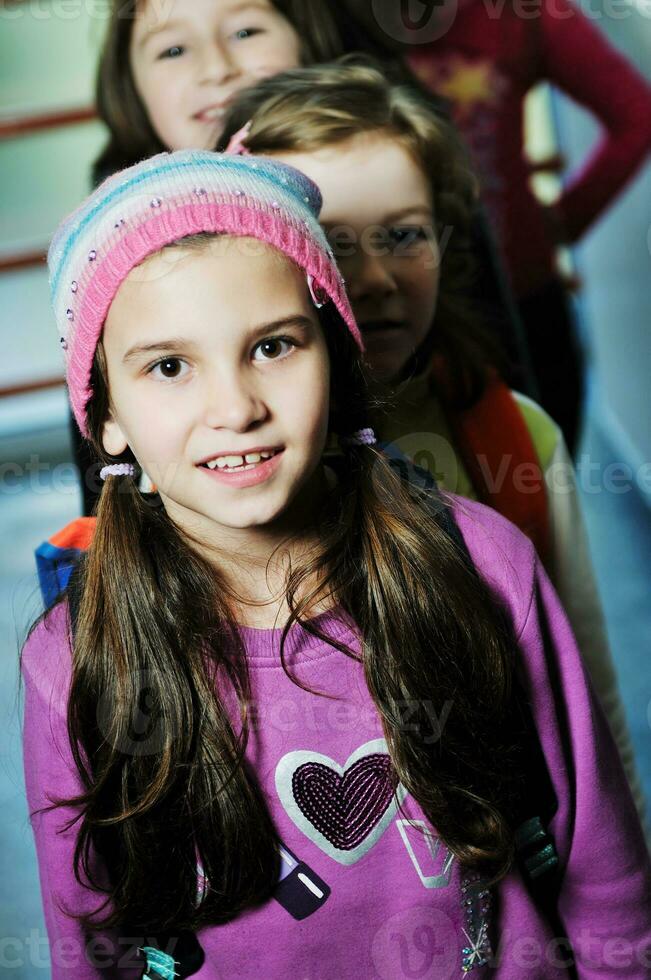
{"points": [[114, 440]]}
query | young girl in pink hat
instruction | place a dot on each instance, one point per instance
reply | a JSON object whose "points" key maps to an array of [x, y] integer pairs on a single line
{"points": [[295, 715]]}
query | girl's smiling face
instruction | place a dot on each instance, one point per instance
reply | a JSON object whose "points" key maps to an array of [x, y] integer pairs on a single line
{"points": [[215, 352], [378, 213], [190, 57]]}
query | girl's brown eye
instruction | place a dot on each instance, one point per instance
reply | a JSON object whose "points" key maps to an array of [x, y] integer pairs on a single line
{"points": [[403, 237], [170, 367], [273, 348], [270, 348]]}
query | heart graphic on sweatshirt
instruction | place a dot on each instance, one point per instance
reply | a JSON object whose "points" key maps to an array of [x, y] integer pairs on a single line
{"points": [[344, 810]]}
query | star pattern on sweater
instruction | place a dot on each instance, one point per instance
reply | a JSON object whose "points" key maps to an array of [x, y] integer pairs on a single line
{"points": [[467, 83]]}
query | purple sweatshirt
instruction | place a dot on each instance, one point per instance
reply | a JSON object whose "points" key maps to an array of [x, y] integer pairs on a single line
{"points": [[369, 891]]}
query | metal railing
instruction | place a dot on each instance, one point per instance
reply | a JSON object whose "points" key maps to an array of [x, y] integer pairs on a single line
{"points": [[16, 126]]}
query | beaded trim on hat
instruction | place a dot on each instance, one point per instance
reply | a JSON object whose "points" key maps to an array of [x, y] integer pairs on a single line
{"points": [[116, 197]]}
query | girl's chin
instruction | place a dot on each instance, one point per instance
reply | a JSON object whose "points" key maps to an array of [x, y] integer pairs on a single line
{"points": [[272, 493], [386, 369]]}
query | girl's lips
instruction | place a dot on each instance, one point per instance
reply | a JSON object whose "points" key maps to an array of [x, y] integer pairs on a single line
{"points": [[378, 326], [259, 473]]}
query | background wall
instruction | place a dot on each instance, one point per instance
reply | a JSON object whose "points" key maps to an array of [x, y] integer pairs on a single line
{"points": [[615, 262], [47, 62], [48, 52]]}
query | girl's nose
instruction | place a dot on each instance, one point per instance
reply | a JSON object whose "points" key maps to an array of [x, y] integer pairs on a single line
{"points": [[233, 403], [369, 276], [217, 64]]}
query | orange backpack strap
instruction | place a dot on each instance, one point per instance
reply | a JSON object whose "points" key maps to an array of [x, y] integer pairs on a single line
{"points": [[78, 534], [500, 457], [56, 558]]}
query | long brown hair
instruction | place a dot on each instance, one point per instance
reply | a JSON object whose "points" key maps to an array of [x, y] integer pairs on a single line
{"points": [[306, 109], [153, 621], [131, 135]]}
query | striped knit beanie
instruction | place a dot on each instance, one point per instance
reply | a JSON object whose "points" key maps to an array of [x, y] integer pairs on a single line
{"points": [[140, 210]]}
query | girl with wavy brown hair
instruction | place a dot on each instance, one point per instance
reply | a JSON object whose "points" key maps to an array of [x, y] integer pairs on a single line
{"points": [[168, 71]]}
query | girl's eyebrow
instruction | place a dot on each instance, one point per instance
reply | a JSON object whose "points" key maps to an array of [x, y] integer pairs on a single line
{"points": [[297, 320], [152, 32], [411, 210], [175, 344]]}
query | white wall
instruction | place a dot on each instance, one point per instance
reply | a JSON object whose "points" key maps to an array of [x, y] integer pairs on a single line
{"points": [[615, 262], [48, 52]]}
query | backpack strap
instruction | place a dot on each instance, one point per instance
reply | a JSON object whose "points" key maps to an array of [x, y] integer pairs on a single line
{"points": [[56, 557]]}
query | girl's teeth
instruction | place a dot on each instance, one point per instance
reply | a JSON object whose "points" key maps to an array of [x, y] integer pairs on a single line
{"points": [[211, 114], [239, 462]]}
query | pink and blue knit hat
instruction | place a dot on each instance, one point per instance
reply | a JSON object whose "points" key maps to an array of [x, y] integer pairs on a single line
{"points": [[140, 210]]}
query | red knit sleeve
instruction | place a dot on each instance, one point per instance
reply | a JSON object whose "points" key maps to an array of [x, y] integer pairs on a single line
{"points": [[578, 59]]}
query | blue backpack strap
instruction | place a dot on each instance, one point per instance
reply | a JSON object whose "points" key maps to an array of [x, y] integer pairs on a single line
{"points": [[54, 566]]}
